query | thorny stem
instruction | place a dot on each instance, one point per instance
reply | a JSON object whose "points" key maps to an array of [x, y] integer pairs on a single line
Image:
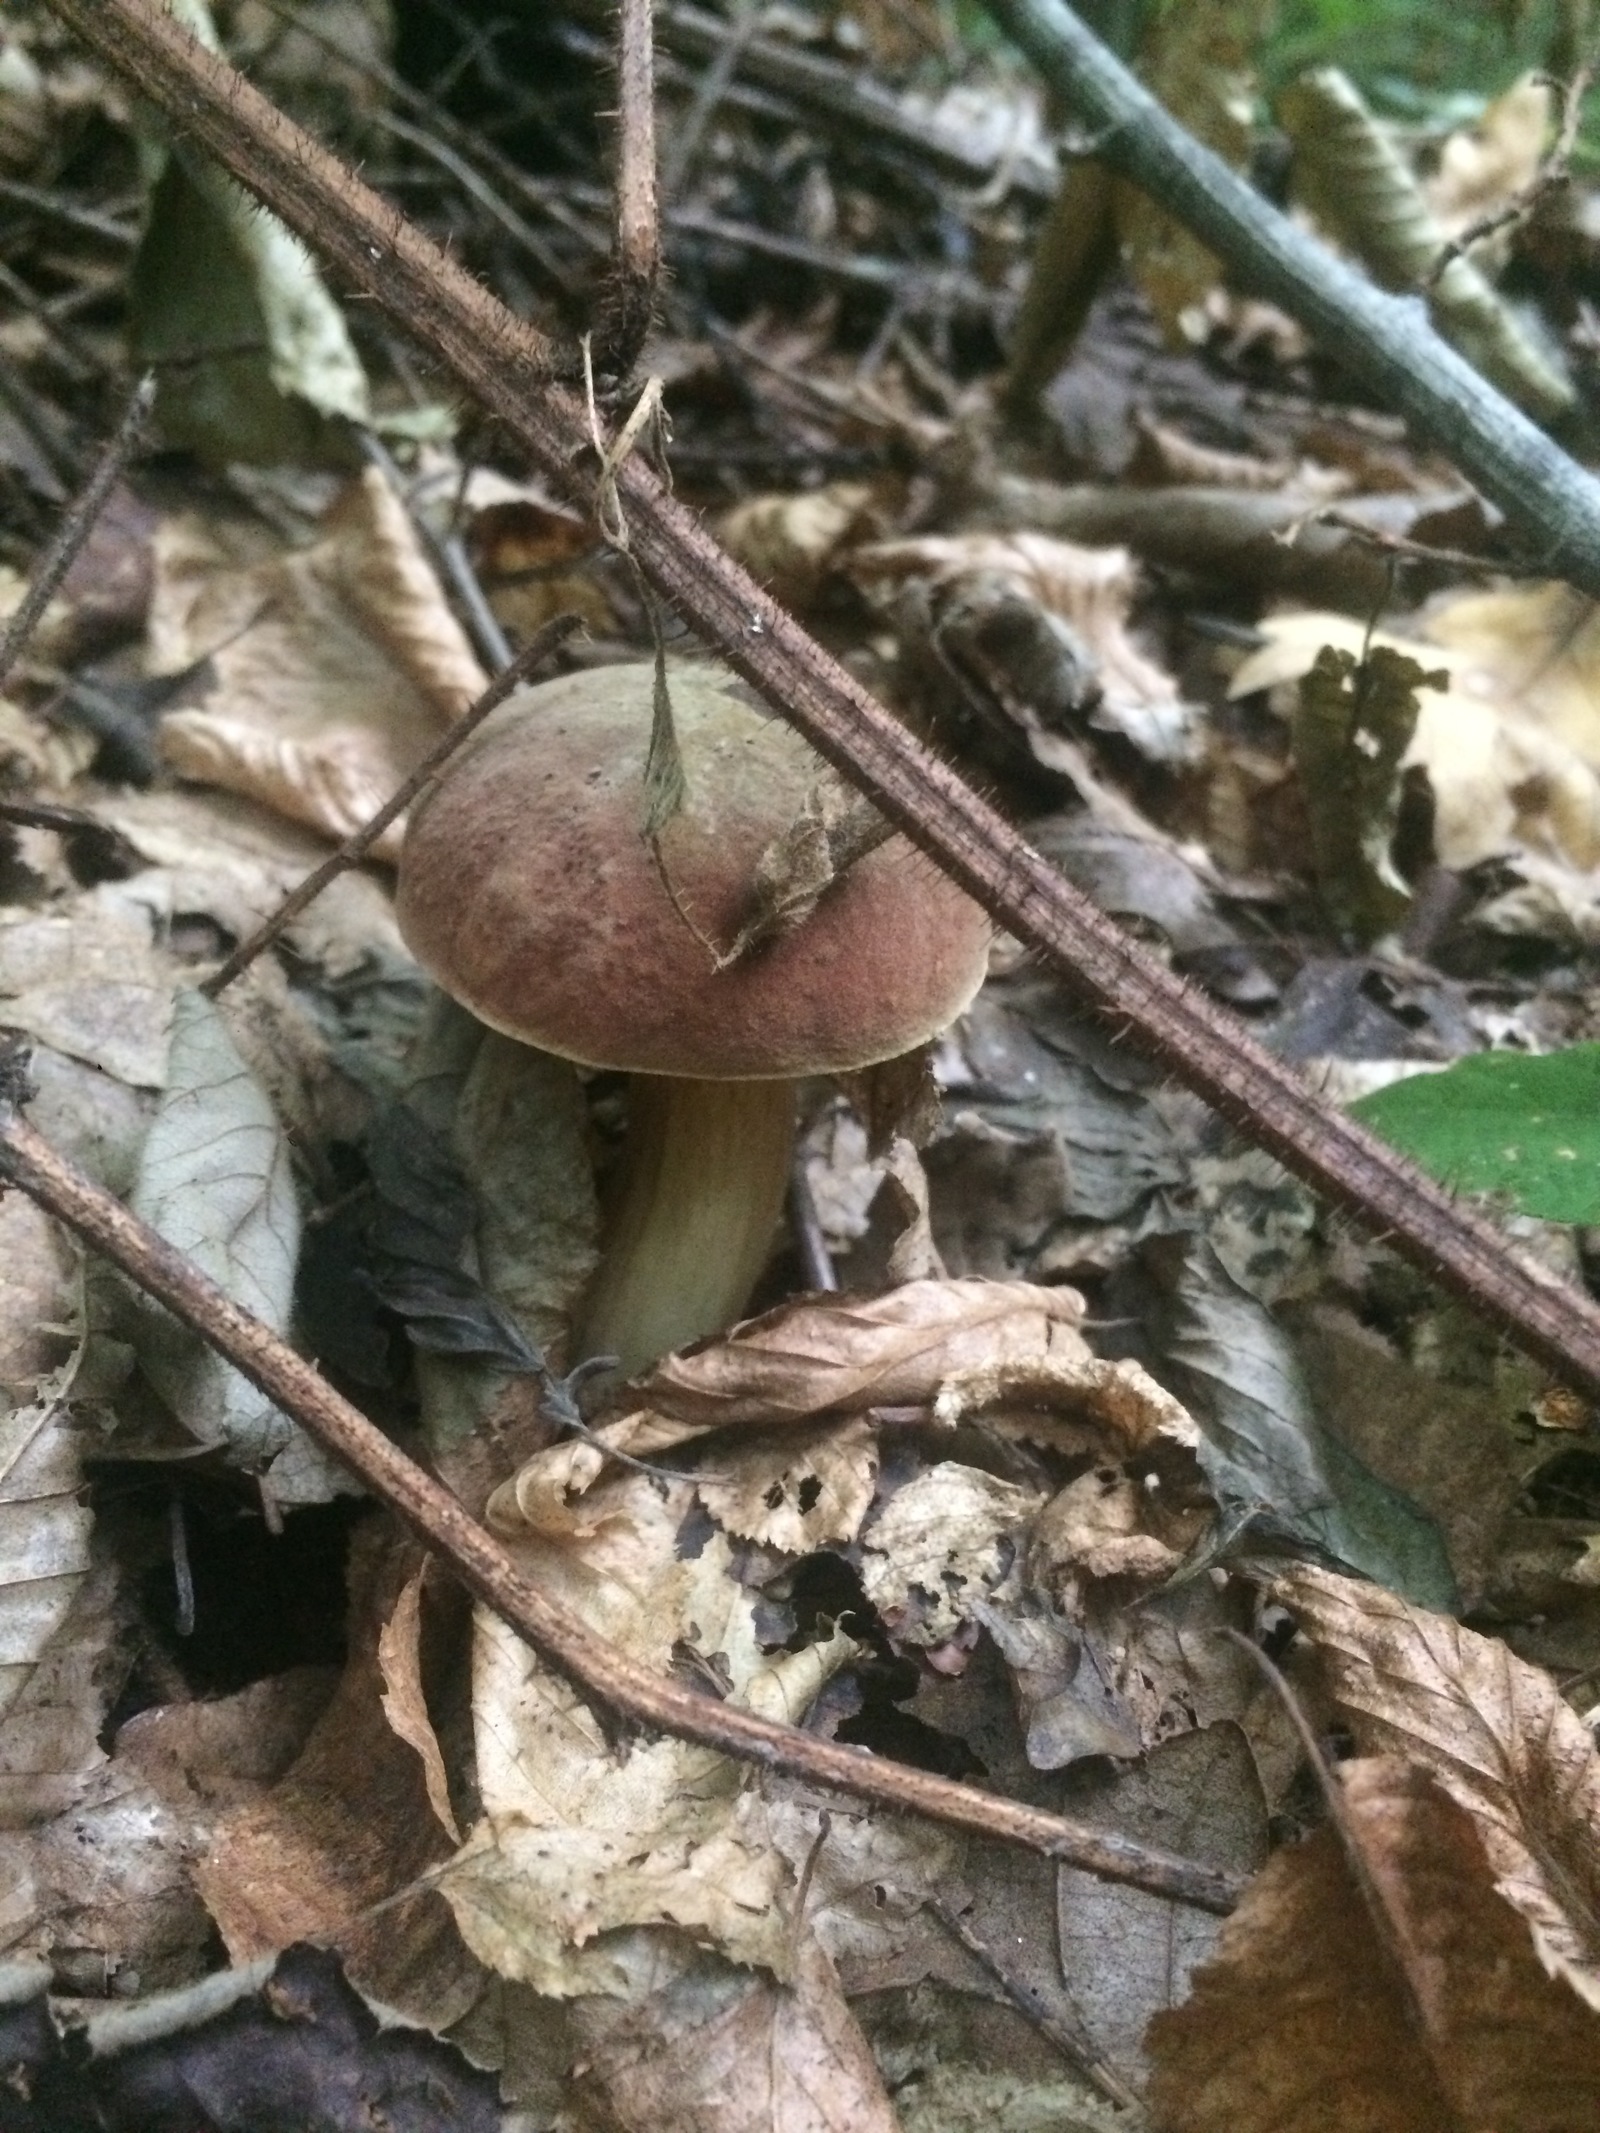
{"points": [[77, 526], [601, 1671], [355, 848], [506, 365]]}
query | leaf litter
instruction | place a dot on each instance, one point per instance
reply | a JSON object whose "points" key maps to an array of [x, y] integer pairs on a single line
{"points": [[1099, 1392]]}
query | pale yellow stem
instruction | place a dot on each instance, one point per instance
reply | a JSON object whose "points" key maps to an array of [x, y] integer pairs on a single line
{"points": [[707, 1166]]}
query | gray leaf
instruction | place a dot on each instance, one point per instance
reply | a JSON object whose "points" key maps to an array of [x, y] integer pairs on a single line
{"points": [[214, 1179]]}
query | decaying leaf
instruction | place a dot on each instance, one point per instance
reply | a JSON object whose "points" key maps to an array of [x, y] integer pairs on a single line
{"points": [[1484, 167], [91, 982], [945, 1543], [797, 1489], [215, 1180], [44, 1523], [1307, 2018], [1126, 1954], [716, 2050], [1089, 593], [836, 826], [792, 543], [334, 669], [1264, 1450], [1495, 1734], [841, 1354], [1510, 744], [582, 1844], [1352, 727], [347, 1825]]}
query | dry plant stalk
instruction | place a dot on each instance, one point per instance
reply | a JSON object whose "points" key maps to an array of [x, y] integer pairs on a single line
{"points": [[511, 369]]}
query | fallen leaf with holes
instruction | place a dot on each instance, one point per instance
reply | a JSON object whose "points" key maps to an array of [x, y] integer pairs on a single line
{"points": [[583, 1843], [1496, 1735], [332, 671], [797, 1489], [1309, 2015]]}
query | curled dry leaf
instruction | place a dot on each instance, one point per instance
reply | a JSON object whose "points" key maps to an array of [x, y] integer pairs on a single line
{"points": [[1091, 590], [583, 1843], [1494, 1732], [1301, 2021], [333, 669], [1485, 167], [843, 1354], [405, 1704]]}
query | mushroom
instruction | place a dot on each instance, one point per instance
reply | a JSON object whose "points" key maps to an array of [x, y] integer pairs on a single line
{"points": [[528, 892]]}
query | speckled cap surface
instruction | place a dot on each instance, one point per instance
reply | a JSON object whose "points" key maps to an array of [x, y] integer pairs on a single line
{"points": [[528, 892]]}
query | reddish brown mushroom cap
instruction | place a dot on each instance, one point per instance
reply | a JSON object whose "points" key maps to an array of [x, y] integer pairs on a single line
{"points": [[528, 892]]}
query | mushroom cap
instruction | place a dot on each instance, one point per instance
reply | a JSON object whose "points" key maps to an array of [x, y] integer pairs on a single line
{"points": [[527, 890]]}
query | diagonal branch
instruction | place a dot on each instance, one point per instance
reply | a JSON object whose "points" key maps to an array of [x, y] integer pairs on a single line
{"points": [[490, 1573], [500, 360]]}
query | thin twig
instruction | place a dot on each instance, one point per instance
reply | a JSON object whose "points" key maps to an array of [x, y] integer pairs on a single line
{"points": [[1554, 173], [500, 361], [77, 526], [1068, 2039], [602, 1671], [628, 301], [356, 847]]}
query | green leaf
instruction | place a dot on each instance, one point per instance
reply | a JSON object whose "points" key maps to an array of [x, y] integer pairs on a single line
{"points": [[252, 353], [1504, 1123]]}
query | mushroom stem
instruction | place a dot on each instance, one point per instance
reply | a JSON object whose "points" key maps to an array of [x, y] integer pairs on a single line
{"points": [[706, 1170]]}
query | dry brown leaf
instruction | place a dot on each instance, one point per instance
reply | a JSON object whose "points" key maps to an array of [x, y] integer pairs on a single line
{"points": [[841, 1354], [347, 1827], [335, 669], [405, 1704], [582, 1844], [44, 1522], [88, 979], [1484, 167], [107, 1885], [1496, 1734], [799, 1489], [1300, 2023], [1091, 590], [718, 2051], [944, 1544]]}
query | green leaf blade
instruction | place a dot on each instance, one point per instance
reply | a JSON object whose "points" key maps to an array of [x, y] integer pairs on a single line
{"points": [[1525, 1128]]}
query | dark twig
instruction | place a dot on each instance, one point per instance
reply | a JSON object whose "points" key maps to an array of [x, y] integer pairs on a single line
{"points": [[607, 1675], [499, 360], [1067, 2037], [1383, 340], [356, 847], [627, 303], [76, 527]]}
